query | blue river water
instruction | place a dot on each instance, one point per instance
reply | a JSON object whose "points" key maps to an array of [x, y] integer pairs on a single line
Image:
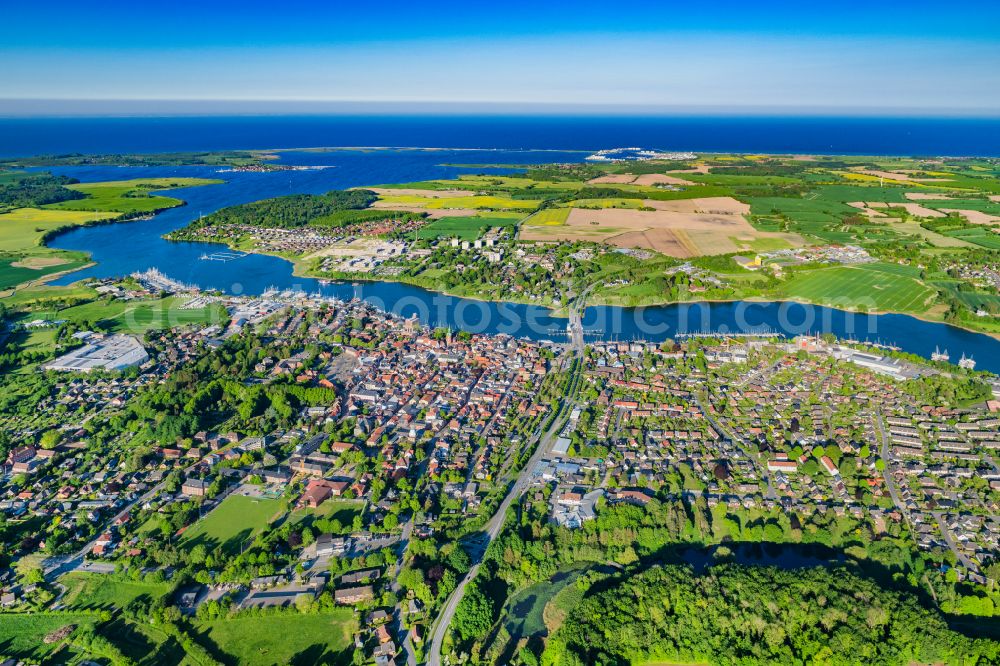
{"points": [[120, 249]]}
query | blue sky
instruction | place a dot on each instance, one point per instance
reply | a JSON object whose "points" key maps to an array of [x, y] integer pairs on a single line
{"points": [[912, 57]]}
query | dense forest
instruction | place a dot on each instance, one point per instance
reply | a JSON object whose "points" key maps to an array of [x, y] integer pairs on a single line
{"points": [[733, 614], [292, 211], [25, 190]]}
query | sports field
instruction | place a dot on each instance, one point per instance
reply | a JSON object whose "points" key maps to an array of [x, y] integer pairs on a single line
{"points": [[870, 287], [231, 523], [291, 638]]}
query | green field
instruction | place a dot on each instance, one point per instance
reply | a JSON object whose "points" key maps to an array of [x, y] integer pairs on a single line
{"points": [[486, 183], [11, 275], [21, 635], [464, 228], [136, 316], [231, 523], [912, 227], [846, 193], [23, 228], [548, 217], [474, 201], [341, 510], [765, 244], [605, 203], [982, 205], [42, 297], [146, 644], [873, 287], [129, 196], [93, 591], [289, 638], [980, 236], [800, 209], [734, 180]]}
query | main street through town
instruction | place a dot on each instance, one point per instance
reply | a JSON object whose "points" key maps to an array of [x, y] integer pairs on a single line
{"points": [[492, 528]]}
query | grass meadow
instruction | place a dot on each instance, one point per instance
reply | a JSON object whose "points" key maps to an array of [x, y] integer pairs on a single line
{"points": [[94, 591], [22, 635], [291, 638]]}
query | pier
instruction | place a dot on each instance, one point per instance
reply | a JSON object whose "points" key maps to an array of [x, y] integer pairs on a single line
{"points": [[224, 256]]}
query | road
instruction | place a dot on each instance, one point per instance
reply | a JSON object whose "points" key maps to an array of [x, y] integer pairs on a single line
{"points": [[890, 482], [943, 526], [57, 566], [403, 636], [575, 325], [495, 524]]}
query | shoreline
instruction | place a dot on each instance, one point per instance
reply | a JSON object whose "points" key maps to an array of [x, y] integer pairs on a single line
{"points": [[298, 270]]}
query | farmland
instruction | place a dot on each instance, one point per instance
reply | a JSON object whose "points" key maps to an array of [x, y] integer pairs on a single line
{"points": [[548, 217], [25, 228], [475, 202], [684, 228], [18, 271], [862, 288], [129, 196], [465, 228], [23, 255]]}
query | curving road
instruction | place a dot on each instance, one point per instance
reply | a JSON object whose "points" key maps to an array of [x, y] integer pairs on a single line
{"points": [[496, 522]]}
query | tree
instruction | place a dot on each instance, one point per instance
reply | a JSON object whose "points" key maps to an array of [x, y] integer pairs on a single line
{"points": [[474, 614], [459, 560], [50, 439]]}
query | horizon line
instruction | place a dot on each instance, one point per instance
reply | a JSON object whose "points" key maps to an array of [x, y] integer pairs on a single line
{"points": [[37, 108]]}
